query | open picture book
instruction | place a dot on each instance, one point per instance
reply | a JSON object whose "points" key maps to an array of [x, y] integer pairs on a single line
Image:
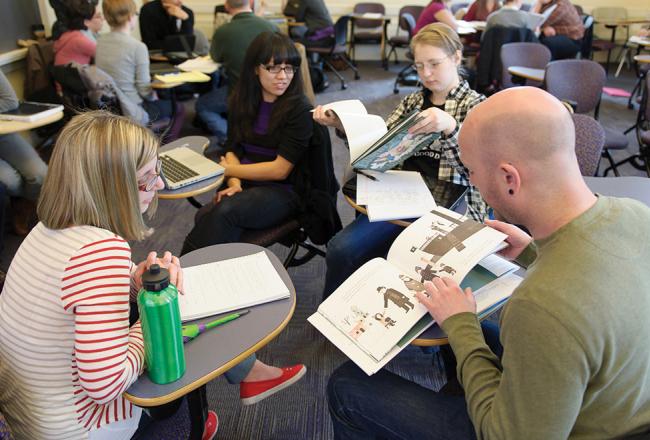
{"points": [[372, 145], [374, 314]]}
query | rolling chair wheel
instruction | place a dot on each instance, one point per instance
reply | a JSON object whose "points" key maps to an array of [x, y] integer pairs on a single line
{"points": [[357, 76], [396, 91], [344, 86]]}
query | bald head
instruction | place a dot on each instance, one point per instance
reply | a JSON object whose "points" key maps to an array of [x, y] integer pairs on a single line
{"points": [[520, 124]]}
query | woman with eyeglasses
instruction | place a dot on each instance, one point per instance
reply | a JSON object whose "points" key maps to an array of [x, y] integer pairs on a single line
{"points": [[269, 130], [443, 102], [66, 348]]}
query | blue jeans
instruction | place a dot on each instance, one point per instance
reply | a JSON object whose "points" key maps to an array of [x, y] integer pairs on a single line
{"points": [[257, 207], [22, 170], [357, 243], [210, 107], [388, 406]]}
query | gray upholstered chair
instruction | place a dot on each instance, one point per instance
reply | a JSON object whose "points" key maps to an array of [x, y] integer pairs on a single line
{"points": [[401, 40], [581, 82], [533, 55], [590, 139]]}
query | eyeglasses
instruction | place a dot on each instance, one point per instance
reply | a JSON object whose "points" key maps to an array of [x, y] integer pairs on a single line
{"points": [[432, 65], [274, 69], [151, 182]]}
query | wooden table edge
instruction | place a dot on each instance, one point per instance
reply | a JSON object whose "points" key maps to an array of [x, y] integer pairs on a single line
{"points": [[156, 401], [521, 74], [31, 125], [417, 342]]}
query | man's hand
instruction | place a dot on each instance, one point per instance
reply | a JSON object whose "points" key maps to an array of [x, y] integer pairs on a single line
{"points": [[176, 11], [444, 298], [549, 31], [517, 239], [434, 120], [168, 261]]}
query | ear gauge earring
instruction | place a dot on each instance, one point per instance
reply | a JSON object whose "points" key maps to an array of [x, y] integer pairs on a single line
{"points": [[511, 192]]}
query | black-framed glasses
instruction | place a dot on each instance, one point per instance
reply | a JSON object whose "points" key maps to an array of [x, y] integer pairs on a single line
{"points": [[274, 69], [151, 182]]}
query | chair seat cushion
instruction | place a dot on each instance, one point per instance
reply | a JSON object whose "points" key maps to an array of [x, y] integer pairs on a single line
{"points": [[399, 40], [327, 50], [603, 45], [267, 237], [367, 37], [615, 140]]}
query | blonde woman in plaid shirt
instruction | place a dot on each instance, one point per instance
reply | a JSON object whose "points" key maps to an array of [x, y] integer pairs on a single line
{"points": [[443, 102]]}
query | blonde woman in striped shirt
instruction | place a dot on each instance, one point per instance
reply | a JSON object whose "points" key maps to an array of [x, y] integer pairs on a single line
{"points": [[67, 352]]}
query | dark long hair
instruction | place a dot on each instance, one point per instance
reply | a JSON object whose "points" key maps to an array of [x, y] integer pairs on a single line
{"points": [[244, 102]]}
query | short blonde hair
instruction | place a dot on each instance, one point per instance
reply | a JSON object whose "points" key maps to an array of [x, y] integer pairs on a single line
{"points": [[438, 35], [91, 178], [118, 12]]}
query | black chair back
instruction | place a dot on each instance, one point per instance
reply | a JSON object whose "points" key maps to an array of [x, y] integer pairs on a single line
{"points": [[588, 37], [341, 31]]}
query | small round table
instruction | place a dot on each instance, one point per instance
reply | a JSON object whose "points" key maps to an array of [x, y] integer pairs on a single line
{"points": [[8, 127], [527, 73]]}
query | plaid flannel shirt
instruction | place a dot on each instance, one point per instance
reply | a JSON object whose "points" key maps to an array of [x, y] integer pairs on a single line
{"points": [[459, 102]]}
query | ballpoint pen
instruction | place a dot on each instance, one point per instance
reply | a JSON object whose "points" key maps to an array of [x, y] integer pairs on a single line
{"points": [[369, 176], [191, 331]]}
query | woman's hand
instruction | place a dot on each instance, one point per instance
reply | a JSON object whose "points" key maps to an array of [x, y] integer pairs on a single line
{"points": [[228, 192], [434, 120], [327, 118], [549, 31], [168, 261], [517, 239]]}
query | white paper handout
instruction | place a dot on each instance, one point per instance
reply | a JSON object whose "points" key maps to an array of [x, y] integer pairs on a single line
{"points": [[394, 195], [227, 285]]}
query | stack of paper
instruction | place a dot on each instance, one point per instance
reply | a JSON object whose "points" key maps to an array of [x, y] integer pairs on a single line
{"points": [[183, 77], [394, 195], [200, 64]]}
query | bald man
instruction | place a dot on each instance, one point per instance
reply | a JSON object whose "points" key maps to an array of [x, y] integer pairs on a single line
{"points": [[576, 354]]}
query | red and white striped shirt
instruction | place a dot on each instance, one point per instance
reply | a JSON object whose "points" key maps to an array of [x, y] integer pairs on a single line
{"points": [[66, 350]]}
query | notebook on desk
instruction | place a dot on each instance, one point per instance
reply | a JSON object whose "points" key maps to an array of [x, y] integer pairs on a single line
{"points": [[182, 167]]}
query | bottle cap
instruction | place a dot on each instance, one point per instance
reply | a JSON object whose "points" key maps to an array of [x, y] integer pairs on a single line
{"points": [[155, 279]]}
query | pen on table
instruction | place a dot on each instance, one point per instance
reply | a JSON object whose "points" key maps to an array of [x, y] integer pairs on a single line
{"points": [[369, 176], [191, 331]]}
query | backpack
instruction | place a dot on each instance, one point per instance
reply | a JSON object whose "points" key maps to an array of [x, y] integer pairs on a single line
{"points": [[319, 80], [319, 217]]}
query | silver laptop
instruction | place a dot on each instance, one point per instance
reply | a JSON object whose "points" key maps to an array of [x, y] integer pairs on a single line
{"points": [[182, 167]]}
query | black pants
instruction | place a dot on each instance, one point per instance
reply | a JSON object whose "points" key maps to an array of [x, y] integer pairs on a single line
{"points": [[257, 207], [561, 46]]}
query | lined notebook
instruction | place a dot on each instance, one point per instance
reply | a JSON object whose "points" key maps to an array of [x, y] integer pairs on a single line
{"points": [[223, 286]]}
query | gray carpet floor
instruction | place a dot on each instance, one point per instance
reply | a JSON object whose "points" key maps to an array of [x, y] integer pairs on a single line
{"points": [[300, 412]]}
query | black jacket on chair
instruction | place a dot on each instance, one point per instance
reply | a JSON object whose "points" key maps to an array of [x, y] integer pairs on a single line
{"points": [[488, 67]]}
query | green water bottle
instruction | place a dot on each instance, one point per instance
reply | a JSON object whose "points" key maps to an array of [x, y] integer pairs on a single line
{"points": [[161, 326]]}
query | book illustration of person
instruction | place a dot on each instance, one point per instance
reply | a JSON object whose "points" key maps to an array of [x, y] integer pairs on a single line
{"points": [[396, 297], [395, 154], [448, 269], [411, 284], [426, 273], [385, 320], [358, 313]]}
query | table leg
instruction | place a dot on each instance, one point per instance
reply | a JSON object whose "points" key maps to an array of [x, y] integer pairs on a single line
{"points": [[197, 401], [384, 38]]}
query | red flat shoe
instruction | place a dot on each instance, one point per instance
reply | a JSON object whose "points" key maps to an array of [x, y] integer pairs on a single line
{"points": [[253, 392], [211, 426]]}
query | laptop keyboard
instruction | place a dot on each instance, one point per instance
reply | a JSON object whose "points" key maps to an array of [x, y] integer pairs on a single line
{"points": [[175, 171]]}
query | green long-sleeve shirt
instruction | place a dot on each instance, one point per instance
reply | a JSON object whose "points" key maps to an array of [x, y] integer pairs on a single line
{"points": [[576, 336]]}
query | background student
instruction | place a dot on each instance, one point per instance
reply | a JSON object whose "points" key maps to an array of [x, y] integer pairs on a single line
{"points": [[126, 60], [481, 9], [270, 127], [79, 42], [22, 170], [443, 102], [318, 30], [436, 12], [562, 32]]}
